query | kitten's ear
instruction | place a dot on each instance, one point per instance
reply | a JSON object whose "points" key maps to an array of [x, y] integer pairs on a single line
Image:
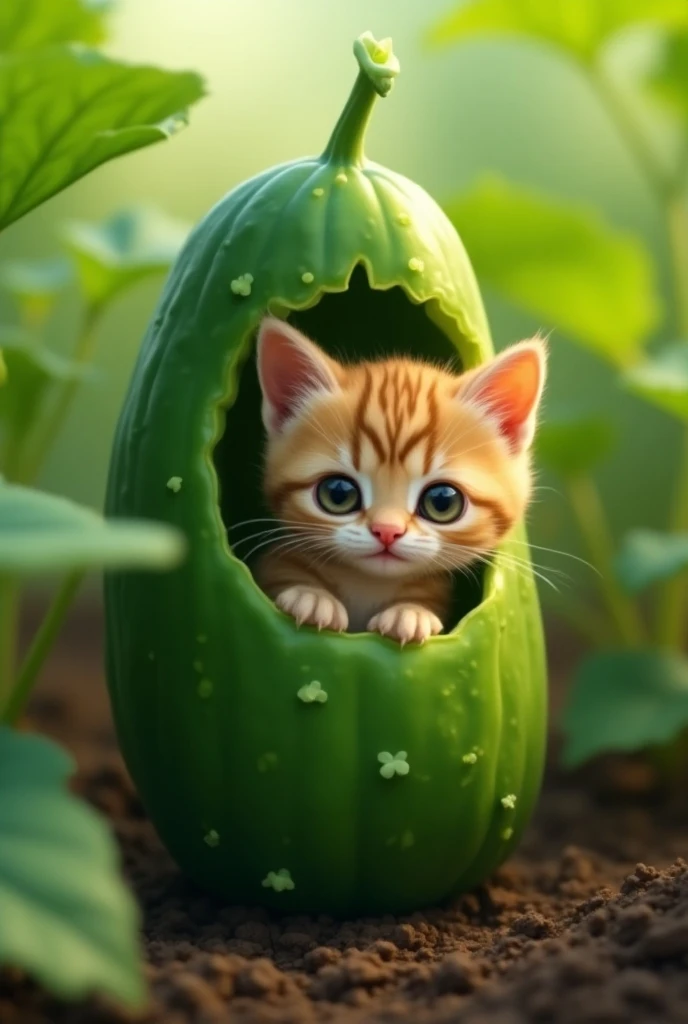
{"points": [[290, 368], [509, 390]]}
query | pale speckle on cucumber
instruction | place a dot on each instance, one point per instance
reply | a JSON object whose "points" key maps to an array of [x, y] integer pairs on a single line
{"points": [[341, 178], [211, 838], [174, 484], [278, 880], [318, 192], [416, 264], [307, 277], [509, 802], [470, 758], [242, 285], [403, 219]]}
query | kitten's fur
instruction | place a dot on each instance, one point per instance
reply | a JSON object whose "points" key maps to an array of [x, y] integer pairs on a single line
{"points": [[393, 428]]}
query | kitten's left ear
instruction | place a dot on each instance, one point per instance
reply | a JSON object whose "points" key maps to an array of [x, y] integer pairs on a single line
{"points": [[509, 390]]}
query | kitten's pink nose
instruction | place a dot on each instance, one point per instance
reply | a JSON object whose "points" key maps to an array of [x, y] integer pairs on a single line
{"points": [[387, 533]]}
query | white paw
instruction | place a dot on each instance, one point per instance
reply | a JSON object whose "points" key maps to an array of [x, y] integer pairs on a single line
{"points": [[407, 623], [313, 607]]}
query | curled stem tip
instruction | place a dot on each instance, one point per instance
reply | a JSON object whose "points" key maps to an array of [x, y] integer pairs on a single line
{"points": [[378, 67]]}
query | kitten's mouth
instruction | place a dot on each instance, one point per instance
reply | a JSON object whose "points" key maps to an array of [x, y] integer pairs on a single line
{"points": [[386, 555]]}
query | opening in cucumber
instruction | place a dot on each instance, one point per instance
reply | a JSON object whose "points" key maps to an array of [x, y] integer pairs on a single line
{"points": [[363, 323]]}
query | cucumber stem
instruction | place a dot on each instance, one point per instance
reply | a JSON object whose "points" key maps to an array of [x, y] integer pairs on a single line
{"points": [[378, 69]]}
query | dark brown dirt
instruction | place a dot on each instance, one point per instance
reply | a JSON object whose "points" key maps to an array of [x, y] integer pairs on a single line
{"points": [[588, 923]]}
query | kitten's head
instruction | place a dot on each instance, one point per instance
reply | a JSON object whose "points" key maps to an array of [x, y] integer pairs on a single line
{"points": [[395, 468]]}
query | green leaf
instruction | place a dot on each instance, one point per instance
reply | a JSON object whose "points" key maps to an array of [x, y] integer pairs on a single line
{"points": [[581, 28], [647, 556], [41, 533], [668, 81], [66, 111], [35, 285], [563, 263], [572, 447], [28, 24], [66, 915], [31, 370], [130, 246], [662, 380], [625, 701]]}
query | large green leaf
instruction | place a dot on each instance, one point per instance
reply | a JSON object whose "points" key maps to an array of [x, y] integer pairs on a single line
{"points": [[662, 380], [578, 27], [65, 111], [647, 557], [573, 446], [41, 533], [35, 285], [625, 701], [27, 24], [563, 264], [31, 369], [669, 78], [131, 245], [65, 914]]}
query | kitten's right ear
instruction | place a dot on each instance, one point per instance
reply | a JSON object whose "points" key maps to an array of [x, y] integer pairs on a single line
{"points": [[290, 369]]}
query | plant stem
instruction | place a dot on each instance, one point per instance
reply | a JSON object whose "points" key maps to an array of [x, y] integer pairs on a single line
{"points": [[592, 522], [658, 177], [51, 426], [9, 619], [42, 643], [673, 603]]}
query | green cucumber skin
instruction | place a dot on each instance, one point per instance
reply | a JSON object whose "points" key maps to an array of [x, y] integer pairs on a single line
{"points": [[274, 782]]}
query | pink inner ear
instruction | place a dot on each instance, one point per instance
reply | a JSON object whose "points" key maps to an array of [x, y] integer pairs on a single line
{"points": [[289, 366], [511, 389]]}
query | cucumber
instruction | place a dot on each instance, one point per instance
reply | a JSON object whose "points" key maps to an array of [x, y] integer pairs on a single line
{"points": [[271, 758]]}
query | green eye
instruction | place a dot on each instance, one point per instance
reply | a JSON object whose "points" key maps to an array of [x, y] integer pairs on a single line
{"points": [[338, 495], [441, 503]]}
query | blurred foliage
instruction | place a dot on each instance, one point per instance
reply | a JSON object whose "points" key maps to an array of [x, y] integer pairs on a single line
{"points": [[562, 263], [65, 110], [127, 248], [647, 557], [69, 917], [579, 29], [581, 275], [572, 447]]}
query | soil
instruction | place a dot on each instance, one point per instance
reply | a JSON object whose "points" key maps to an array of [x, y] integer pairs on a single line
{"points": [[587, 923]]}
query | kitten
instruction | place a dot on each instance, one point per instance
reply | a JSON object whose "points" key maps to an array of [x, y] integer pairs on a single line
{"points": [[386, 476]]}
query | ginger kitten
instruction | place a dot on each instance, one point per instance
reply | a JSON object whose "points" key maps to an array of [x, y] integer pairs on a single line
{"points": [[384, 477]]}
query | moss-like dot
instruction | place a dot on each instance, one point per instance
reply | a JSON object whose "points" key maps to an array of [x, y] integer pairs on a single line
{"points": [[341, 178], [307, 277], [318, 192], [403, 219], [470, 758], [506, 834], [211, 838], [242, 285], [509, 801], [312, 693], [280, 881], [417, 265], [174, 484]]}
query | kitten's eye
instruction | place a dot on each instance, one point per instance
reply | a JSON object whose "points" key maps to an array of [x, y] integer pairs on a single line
{"points": [[441, 503], [338, 495]]}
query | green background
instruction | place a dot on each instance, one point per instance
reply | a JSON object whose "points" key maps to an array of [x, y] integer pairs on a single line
{"points": [[278, 73]]}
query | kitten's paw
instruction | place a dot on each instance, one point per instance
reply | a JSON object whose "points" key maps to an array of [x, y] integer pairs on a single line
{"points": [[313, 607], [407, 623]]}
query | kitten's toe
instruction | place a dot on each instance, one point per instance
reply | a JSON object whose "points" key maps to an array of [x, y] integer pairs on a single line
{"points": [[406, 623], [313, 608], [428, 625], [331, 614]]}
